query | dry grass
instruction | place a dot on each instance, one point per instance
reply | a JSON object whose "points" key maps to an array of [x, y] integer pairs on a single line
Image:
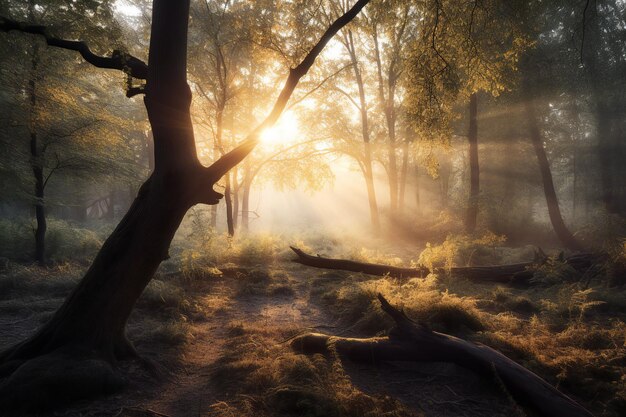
{"points": [[568, 334], [270, 380]]}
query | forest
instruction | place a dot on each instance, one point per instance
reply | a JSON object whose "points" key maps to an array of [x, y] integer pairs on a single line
{"points": [[333, 208]]}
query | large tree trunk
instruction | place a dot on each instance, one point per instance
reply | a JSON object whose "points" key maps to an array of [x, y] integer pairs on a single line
{"points": [[410, 341], [472, 137], [70, 357], [96, 312], [561, 230], [91, 322]]}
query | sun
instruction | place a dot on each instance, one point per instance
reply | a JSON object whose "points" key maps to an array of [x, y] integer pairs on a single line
{"points": [[285, 131]]}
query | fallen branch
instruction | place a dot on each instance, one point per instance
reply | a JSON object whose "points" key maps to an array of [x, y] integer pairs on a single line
{"points": [[410, 341], [519, 273], [353, 266]]}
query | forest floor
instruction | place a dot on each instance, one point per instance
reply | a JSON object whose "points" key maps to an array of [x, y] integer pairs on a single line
{"points": [[216, 341]]}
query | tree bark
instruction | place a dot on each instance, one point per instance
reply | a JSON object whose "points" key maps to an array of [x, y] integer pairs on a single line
{"points": [[229, 207], [409, 341], [36, 158], [235, 196], [561, 230], [472, 137], [70, 357]]}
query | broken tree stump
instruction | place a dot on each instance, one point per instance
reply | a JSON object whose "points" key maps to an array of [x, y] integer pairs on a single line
{"points": [[410, 341]]}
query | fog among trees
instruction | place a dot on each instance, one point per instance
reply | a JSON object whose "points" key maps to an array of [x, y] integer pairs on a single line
{"points": [[328, 208]]}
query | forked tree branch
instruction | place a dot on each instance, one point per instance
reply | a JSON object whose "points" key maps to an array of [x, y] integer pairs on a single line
{"points": [[232, 158], [118, 60]]}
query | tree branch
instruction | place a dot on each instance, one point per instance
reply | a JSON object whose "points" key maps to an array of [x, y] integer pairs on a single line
{"points": [[118, 60], [232, 158]]}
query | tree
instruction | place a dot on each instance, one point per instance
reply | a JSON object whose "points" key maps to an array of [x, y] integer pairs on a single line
{"points": [[50, 143], [464, 48], [87, 333], [348, 42]]}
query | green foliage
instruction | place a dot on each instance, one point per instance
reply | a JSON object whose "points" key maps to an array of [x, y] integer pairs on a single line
{"points": [[65, 241]]}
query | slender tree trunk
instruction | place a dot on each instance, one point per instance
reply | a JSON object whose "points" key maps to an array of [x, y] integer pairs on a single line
{"points": [[36, 163], [235, 195], [403, 175], [561, 230], [418, 183], [388, 106], [229, 206], [594, 58], [245, 206], [472, 136], [367, 150], [40, 209], [245, 197], [371, 191], [213, 209], [110, 214], [444, 179]]}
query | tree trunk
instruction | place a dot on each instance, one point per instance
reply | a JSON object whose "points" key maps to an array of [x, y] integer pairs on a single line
{"points": [[245, 204], [40, 209], [229, 207], [92, 319], [371, 192], [110, 214], [561, 230], [367, 150], [235, 195], [403, 175], [412, 342], [472, 136], [70, 357], [418, 183], [36, 163], [390, 118], [594, 58]]}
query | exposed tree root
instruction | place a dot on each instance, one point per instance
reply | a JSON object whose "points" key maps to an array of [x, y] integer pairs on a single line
{"points": [[55, 379], [505, 274], [410, 341]]}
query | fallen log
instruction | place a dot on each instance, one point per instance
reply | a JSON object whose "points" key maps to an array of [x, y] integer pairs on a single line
{"points": [[353, 266], [520, 273], [410, 341]]}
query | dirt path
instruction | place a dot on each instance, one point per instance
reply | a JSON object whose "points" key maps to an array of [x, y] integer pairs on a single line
{"points": [[200, 376]]}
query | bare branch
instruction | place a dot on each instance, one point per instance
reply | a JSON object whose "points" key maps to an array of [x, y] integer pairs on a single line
{"points": [[232, 158], [118, 60]]}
